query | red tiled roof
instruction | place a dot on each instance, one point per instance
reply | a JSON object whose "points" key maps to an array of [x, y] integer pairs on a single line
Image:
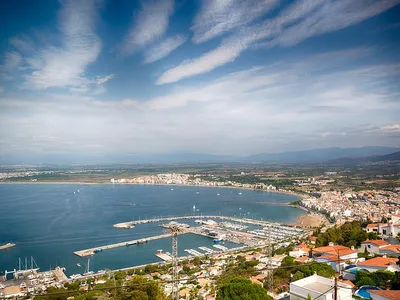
{"points": [[335, 250], [348, 282], [388, 294], [393, 248], [376, 242], [379, 262], [372, 225], [302, 259]]}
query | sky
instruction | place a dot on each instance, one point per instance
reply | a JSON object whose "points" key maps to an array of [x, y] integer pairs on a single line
{"points": [[230, 77]]}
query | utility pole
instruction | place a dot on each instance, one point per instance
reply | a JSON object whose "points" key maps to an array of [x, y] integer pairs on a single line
{"points": [[174, 230]]}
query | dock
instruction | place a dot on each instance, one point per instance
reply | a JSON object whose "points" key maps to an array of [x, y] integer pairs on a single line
{"points": [[92, 251], [164, 256], [132, 224]]}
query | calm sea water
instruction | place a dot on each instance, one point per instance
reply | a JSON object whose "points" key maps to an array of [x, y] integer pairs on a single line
{"points": [[50, 221]]}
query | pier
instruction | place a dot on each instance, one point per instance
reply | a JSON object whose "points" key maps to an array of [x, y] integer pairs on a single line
{"points": [[131, 224], [92, 251]]}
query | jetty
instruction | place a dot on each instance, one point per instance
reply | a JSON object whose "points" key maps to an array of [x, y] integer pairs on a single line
{"points": [[132, 224], [92, 251]]}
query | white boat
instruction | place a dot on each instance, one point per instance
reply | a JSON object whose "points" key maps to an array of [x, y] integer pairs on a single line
{"points": [[79, 265], [240, 193], [197, 193]]}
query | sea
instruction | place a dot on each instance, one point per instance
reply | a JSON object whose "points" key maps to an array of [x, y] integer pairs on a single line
{"points": [[48, 222]]}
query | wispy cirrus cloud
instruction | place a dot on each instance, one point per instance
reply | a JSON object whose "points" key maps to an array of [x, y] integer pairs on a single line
{"points": [[218, 17], [150, 24], [65, 66], [11, 61], [294, 24], [164, 48]]}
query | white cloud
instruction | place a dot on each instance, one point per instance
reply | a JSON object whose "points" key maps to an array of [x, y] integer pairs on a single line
{"points": [[164, 48], [268, 108], [151, 23], [391, 128], [11, 61], [296, 23], [102, 80], [21, 45], [65, 66], [218, 17]]}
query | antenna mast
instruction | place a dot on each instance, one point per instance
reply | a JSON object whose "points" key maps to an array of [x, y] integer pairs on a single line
{"points": [[174, 230]]}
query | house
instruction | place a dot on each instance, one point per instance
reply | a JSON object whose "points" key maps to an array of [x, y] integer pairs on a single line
{"points": [[299, 250], [372, 228], [185, 293], [373, 246], [318, 287], [335, 256], [313, 239], [379, 263], [384, 295], [303, 259], [392, 250]]}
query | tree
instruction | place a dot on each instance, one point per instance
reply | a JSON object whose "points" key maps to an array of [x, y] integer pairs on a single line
{"points": [[297, 276], [238, 288]]}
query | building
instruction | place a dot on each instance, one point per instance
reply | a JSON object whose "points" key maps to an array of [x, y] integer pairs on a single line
{"points": [[392, 250], [318, 286], [373, 246], [372, 228], [379, 263], [335, 256], [384, 295]]}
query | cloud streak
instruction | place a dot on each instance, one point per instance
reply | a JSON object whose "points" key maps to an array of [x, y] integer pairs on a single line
{"points": [[65, 66], [295, 23], [218, 17], [151, 23], [164, 48]]}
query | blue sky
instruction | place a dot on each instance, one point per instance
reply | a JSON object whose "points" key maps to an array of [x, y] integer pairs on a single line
{"points": [[223, 77]]}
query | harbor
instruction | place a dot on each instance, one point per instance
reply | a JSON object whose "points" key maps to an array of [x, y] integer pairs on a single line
{"points": [[241, 231]]}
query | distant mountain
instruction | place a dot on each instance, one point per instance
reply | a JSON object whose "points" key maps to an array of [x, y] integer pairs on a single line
{"points": [[376, 158], [320, 155], [303, 156]]}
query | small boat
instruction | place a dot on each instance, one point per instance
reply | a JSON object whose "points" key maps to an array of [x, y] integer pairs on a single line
{"points": [[79, 265], [240, 193], [172, 189], [217, 194], [130, 244], [197, 193], [98, 250]]}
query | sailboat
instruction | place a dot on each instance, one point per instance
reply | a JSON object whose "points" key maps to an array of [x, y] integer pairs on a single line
{"points": [[87, 270]]}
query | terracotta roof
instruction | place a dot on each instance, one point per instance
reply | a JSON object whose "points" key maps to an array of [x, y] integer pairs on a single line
{"points": [[372, 225], [388, 294], [331, 258], [378, 262], [302, 259], [396, 215], [335, 250], [393, 248], [348, 282], [255, 281], [376, 242]]}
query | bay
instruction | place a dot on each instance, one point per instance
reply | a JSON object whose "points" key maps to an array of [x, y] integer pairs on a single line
{"points": [[50, 221]]}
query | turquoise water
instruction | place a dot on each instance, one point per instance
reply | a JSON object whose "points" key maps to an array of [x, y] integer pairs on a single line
{"points": [[363, 291], [50, 221]]}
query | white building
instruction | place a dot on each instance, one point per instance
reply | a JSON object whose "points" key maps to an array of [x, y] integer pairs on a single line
{"points": [[379, 263], [318, 286], [373, 246]]}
